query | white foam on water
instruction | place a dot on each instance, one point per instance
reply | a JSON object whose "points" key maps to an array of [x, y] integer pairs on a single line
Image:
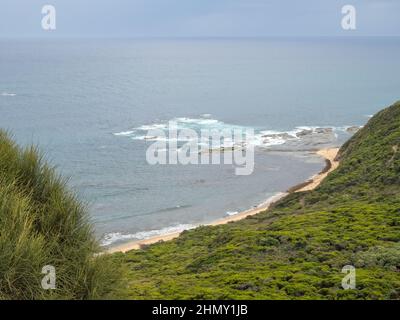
{"points": [[261, 138], [114, 237], [232, 213], [291, 133], [197, 121], [8, 94], [156, 126], [124, 133], [144, 132]]}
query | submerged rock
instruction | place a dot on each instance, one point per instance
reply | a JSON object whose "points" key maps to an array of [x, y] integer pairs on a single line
{"points": [[150, 137], [353, 129], [323, 130], [304, 132], [277, 135]]}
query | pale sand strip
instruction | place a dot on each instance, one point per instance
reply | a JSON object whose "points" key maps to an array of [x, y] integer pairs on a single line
{"points": [[329, 154]]}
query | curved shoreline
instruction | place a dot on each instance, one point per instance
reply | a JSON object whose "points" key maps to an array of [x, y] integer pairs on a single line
{"points": [[331, 164]]}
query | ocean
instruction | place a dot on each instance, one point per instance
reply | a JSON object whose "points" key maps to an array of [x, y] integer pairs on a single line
{"points": [[88, 104]]}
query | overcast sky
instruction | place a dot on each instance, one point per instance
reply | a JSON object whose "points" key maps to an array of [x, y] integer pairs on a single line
{"points": [[198, 18]]}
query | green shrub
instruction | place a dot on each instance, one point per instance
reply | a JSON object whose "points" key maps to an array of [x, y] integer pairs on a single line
{"points": [[297, 249]]}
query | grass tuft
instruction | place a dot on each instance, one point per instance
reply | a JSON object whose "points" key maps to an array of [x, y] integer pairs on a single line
{"points": [[43, 223]]}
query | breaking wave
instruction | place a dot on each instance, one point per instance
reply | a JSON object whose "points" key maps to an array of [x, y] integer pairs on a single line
{"points": [[8, 94], [114, 237], [263, 138]]}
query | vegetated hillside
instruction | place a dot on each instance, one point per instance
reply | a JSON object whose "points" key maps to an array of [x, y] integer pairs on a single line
{"points": [[297, 249], [42, 223]]}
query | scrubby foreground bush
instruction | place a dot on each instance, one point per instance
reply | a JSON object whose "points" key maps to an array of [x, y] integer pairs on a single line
{"points": [[42, 223]]}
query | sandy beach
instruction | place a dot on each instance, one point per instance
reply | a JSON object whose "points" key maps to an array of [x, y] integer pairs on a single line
{"points": [[331, 164]]}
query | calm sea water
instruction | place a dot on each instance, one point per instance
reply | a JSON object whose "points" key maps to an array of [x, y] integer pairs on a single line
{"points": [[75, 97]]}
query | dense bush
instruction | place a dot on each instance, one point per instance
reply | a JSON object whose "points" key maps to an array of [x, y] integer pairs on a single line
{"points": [[297, 249]]}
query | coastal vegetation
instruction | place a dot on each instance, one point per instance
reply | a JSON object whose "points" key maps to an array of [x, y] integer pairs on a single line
{"points": [[43, 224], [294, 250], [297, 249]]}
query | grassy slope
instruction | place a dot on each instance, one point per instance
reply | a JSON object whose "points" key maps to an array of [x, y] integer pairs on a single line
{"points": [[296, 250], [42, 223]]}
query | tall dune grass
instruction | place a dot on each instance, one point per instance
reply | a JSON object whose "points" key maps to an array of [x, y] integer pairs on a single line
{"points": [[43, 223]]}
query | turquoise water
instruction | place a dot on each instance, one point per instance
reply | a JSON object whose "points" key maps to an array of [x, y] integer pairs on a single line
{"points": [[75, 97]]}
